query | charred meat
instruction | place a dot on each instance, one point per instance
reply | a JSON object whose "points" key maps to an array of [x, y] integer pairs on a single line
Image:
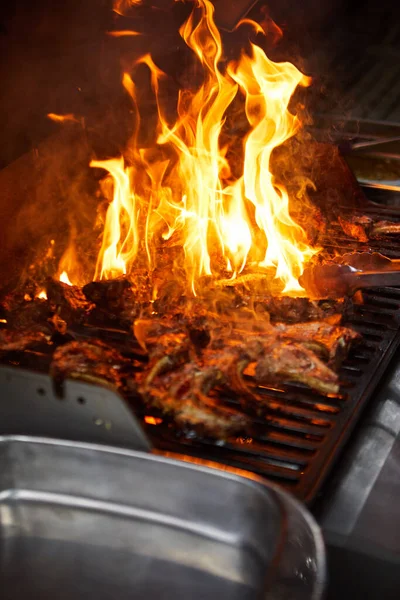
{"points": [[329, 341], [13, 341], [118, 298], [289, 361], [363, 228], [92, 361], [184, 393], [67, 301]]}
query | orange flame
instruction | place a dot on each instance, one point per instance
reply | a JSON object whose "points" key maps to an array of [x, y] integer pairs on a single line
{"points": [[123, 33], [64, 278], [62, 118], [199, 202], [121, 6]]}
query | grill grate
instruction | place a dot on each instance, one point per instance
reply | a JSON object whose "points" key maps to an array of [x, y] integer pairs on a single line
{"points": [[301, 434], [296, 440]]}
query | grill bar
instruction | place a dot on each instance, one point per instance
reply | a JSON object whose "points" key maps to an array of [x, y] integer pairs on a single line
{"points": [[301, 433]]}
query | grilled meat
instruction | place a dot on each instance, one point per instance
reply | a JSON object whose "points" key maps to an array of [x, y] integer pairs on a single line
{"points": [[32, 316], [12, 341], [92, 361], [290, 361], [296, 310], [363, 228], [184, 393], [67, 301], [329, 341], [119, 298], [356, 227], [234, 349], [271, 361], [385, 228]]}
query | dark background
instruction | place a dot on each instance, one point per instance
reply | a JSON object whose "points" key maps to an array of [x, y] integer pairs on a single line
{"points": [[57, 58]]}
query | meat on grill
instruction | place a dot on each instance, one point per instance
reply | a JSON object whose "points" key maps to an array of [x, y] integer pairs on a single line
{"points": [[363, 228], [32, 316], [184, 393], [290, 361], [67, 301], [12, 341], [271, 361], [297, 310], [118, 298], [271, 355], [329, 341], [93, 361]]}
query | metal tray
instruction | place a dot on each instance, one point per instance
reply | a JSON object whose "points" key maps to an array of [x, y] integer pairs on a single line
{"points": [[86, 521]]}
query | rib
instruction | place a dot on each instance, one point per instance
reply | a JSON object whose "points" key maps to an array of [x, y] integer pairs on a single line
{"points": [[12, 341], [184, 393], [329, 341], [289, 361], [271, 361], [93, 361]]}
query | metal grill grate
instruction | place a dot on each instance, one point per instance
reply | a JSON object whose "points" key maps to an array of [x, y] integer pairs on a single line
{"points": [[296, 440], [301, 434]]}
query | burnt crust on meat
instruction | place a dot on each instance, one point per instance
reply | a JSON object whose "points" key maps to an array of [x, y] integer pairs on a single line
{"points": [[94, 362], [14, 341], [184, 393]]}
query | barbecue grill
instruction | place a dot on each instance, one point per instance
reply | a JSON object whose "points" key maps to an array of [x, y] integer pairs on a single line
{"points": [[303, 433], [300, 435]]}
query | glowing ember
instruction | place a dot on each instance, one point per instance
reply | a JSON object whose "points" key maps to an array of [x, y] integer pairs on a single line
{"points": [[216, 218], [42, 295], [62, 118], [152, 420]]}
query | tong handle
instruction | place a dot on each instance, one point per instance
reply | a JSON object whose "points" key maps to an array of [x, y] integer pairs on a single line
{"points": [[367, 279]]}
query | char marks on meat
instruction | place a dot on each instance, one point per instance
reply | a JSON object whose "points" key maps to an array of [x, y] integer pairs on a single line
{"points": [[196, 353], [184, 393], [329, 341], [94, 361], [289, 361], [67, 301], [363, 228], [13, 341]]}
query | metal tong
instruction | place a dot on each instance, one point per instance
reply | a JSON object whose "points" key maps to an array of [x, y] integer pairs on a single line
{"points": [[348, 146], [356, 271]]}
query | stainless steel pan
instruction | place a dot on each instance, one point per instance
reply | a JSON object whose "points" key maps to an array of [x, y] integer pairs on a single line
{"points": [[81, 521]]}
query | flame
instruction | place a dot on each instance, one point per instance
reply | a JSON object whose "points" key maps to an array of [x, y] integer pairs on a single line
{"points": [[120, 240], [122, 6], [123, 33], [192, 197], [62, 118], [64, 278], [70, 268]]}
